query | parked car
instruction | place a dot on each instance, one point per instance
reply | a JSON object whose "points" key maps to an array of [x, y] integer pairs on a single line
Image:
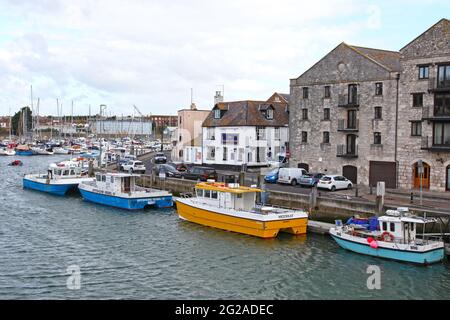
{"points": [[290, 175], [334, 182], [160, 158], [169, 171], [272, 176], [133, 166], [181, 167], [310, 179], [201, 173]]}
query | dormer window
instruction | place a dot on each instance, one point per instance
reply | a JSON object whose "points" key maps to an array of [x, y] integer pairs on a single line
{"points": [[269, 114], [217, 114]]}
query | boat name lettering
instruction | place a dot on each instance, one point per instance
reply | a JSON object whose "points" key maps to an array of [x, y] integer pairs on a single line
{"points": [[414, 248], [284, 216]]}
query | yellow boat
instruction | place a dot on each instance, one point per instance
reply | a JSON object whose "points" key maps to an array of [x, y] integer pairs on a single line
{"points": [[233, 207]]}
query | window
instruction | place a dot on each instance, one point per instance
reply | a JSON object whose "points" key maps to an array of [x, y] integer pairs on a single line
{"points": [[305, 93], [417, 100], [211, 153], [214, 194], [416, 128], [379, 89], [424, 72], [327, 92], [304, 114], [304, 137], [326, 137], [392, 227], [207, 194], [444, 76], [210, 134], [225, 154], [378, 113], [384, 226], [112, 179], [260, 133], [441, 134], [377, 138], [217, 114], [442, 105], [326, 114], [277, 134], [103, 178], [269, 114], [180, 138]]}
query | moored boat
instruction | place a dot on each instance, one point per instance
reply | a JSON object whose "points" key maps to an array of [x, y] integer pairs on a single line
{"points": [[392, 236], [233, 207], [58, 180], [24, 150], [120, 190]]}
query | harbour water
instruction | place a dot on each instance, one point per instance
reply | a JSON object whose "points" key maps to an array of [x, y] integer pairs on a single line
{"points": [[154, 255]]}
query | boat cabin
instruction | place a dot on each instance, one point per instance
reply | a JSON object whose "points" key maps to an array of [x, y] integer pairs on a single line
{"points": [[401, 224], [64, 172], [116, 182], [227, 196]]}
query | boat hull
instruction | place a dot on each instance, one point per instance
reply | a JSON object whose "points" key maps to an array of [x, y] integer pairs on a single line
{"points": [[423, 258], [24, 153], [127, 203], [55, 189], [262, 229]]}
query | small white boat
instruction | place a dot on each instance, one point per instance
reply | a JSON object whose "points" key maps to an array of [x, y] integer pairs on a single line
{"points": [[60, 178], [7, 152], [43, 152], [393, 236], [60, 151]]}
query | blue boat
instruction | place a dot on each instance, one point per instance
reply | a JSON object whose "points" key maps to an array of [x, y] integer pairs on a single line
{"points": [[59, 179], [392, 236], [120, 190], [25, 153]]}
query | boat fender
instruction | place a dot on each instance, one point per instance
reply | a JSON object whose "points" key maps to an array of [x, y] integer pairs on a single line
{"points": [[374, 244]]}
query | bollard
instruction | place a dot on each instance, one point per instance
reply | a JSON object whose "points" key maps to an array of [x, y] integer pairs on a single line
{"points": [[412, 198]]}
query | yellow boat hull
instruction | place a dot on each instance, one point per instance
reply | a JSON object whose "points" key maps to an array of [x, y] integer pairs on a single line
{"points": [[262, 229]]}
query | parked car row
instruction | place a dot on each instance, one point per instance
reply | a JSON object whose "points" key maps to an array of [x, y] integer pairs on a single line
{"points": [[299, 176]]}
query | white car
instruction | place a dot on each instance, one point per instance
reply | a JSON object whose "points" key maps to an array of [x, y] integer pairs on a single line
{"points": [[290, 175], [334, 182], [134, 166]]}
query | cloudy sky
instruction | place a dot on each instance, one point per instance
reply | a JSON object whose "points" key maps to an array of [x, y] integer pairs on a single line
{"points": [[150, 53]]}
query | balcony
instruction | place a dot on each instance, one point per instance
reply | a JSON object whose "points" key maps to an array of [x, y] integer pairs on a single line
{"points": [[427, 144], [438, 86], [345, 125], [434, 114], [344, 152], [347, 101]]}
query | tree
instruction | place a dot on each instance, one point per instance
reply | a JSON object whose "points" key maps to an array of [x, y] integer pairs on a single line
{"points": [[17, 124]]}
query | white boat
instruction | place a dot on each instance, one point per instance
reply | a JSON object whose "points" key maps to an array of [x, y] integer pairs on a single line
{"points": [[120, 190], [59, 179], [392, 236], [7, 152], [42, 151], [60, 151]]}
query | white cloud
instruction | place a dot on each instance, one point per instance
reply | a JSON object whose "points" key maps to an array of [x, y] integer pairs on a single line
{"points": [[150, 53]]}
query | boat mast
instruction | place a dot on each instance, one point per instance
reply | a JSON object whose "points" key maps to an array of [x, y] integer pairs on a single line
{"points": [[10, 125]]}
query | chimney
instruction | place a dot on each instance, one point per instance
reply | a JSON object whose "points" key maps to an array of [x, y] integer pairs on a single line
{"points": [[218, 97]]}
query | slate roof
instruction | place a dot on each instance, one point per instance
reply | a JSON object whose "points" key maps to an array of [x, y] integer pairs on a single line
{"points": [[248, 113], [388, 59]]}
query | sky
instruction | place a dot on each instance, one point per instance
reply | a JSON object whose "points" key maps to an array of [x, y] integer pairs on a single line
{"points": [[150, 53]]}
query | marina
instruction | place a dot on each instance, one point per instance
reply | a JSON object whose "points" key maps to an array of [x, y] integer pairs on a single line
{"points": [[153, 254]]}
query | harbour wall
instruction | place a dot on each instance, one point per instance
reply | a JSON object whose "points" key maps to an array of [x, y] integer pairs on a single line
{"points": [[324, 209]]}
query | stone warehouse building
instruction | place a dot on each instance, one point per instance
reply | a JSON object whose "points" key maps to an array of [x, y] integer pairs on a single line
{"points": [[424, 121], [372, 114], [342, 117]]}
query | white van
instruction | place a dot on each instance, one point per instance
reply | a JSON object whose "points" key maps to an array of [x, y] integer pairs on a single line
{"points": [[290, 175]]}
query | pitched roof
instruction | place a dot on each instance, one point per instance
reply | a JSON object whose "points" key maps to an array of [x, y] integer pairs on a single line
{"points": [[386, 58], [434, 25], [248, 113]]}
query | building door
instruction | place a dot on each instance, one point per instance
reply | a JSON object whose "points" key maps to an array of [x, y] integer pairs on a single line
{"points": [[448, 179], [352, 94], [351, 119], [304, 166], [382, 171], [351, 173], [425, 177]]}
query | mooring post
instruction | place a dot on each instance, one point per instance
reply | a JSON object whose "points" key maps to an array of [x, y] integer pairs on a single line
{"points": [[412, 197]]}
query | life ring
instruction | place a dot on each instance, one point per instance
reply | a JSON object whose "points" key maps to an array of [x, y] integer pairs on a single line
{"points": [[387, 237]]}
